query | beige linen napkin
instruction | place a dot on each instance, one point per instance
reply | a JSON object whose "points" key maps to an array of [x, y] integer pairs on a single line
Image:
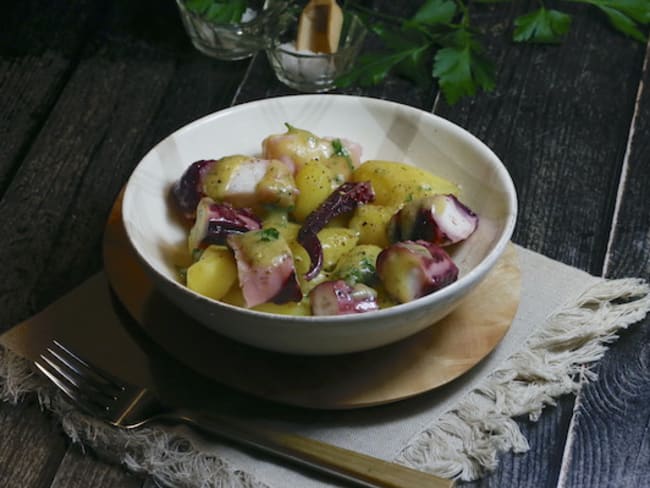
{"points": [[565, 320]]}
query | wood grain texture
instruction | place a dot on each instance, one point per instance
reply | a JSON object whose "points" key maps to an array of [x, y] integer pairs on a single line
{"points": [[614, 412], [31, 446], [33, 73], [82, 469], [537, 468], [629, 254], [84, 148], [610, 443]]}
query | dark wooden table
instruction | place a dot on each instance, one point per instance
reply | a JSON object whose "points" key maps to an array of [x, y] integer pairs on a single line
{"points": [[87, 87]]}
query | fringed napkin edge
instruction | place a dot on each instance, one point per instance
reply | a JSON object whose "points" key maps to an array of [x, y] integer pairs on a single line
{"points": [[464, 442]]}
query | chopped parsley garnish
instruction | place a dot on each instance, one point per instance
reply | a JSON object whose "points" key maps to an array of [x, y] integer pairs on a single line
{"points": [[364, 273], [196, 254], [270, 234], [342, 151]]}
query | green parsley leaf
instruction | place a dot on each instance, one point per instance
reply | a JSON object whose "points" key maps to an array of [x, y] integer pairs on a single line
{"points": [[371, 69], [342, 151], [365, 272], [623, 23], [461, 68], [270, 234], [219, 12], [624, 15], [637, 10], [415, 66], [435, 12], [198, 6], [398, 39], [459, 64], [542, 26]]}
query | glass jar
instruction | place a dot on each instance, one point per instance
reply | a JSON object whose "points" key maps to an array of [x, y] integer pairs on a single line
{"points": [[307, 71], [236, 40]]}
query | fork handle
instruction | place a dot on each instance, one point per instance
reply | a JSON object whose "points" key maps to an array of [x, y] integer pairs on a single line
{"points": [[352, 466]]}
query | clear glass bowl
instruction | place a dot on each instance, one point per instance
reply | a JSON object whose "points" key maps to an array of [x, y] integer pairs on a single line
{"points": [[307, 71], [234, 40]]}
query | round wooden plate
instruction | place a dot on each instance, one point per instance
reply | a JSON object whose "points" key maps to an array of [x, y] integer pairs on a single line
{"points": [[401, 370]]}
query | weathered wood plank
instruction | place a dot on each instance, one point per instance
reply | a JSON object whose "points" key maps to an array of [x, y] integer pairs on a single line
{"points": [[31, 447], [630, 250], [81, 469], [71, 174], [198, 87], [36, 57], [610, 439], [538, 467], [128, 90]]}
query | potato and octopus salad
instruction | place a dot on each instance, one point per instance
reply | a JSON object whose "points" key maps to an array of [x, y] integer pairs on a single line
{"points": [[307, 229]]}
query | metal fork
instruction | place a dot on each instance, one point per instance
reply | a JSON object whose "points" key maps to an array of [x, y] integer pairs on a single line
{"points": [[126, 406]]}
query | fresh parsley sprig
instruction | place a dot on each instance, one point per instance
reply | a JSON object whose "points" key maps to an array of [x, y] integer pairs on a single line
{"points": [[439, 42], [220, 12], [549, 26]]}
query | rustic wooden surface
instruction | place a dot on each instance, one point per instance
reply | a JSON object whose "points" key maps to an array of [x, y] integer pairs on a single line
{"points": [[86, 87]]}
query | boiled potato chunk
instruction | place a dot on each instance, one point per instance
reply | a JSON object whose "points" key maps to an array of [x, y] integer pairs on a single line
{"points": [[214, 273], [302, 308], [358, 265], [280, 222], [371, 222], [336, 242], [315, 183], [234, 297], [302, 262], [396, 183]]}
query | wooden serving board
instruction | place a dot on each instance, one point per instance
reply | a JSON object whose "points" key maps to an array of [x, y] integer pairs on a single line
{"points": [[420, 363]]}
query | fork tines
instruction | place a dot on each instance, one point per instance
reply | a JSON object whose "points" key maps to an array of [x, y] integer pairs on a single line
{"points": [[84, 385]]}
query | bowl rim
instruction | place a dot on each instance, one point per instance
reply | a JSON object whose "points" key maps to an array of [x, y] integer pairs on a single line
{"points": [[395, 311]]}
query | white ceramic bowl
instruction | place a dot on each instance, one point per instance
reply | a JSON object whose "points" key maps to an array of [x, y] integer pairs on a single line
{"points": [[386, 130]]}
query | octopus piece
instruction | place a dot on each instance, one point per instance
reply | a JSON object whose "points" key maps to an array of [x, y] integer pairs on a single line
{"points": [[297, 146], [245, 181], [188, 190], [413, 269], [441, 219], [240, 180], [216, 221], [265, 267], [339, 298]]}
